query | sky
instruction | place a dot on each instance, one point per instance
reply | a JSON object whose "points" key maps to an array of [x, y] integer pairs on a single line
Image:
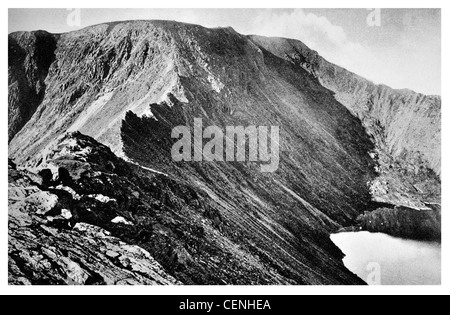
{"points": [[397, 47]]}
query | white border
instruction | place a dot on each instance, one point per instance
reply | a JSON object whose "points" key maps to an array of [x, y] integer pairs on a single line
{"points": [[236, 290]]}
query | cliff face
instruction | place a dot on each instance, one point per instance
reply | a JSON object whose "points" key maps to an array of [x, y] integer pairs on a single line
{"points": [[127, 85], [30, 56], [405, 126], [97, 75]]}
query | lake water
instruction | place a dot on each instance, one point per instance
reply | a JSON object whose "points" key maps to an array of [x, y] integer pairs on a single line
{"points": [[380, 259]]}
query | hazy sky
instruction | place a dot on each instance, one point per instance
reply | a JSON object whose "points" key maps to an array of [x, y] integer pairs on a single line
{"points": [[404, 51]]}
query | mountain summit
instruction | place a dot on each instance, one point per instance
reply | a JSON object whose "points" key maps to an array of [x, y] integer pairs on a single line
{"points": [[91, 112]]}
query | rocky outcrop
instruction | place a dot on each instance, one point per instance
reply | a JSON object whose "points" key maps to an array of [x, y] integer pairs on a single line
{"points": [[404, 222], [48, 246], [116, 223]]}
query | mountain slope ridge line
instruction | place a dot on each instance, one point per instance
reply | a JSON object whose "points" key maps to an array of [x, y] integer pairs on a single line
{"points": [[166, 74]]}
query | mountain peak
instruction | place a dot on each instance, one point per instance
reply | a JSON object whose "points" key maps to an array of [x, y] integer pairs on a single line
{"points": [[120, 89]]}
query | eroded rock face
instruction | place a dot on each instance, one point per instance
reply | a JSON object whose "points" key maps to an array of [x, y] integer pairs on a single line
{"points": [[130, 225], [46, 247], [404, 222], [30, 57], [406, 125], [406, 129], [87, 255], [94, 76]]}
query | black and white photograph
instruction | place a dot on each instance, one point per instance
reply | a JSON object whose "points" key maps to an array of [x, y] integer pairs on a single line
{"points": [[224, 147]]}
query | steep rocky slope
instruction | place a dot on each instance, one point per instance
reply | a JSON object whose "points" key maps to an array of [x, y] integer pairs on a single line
{"points": [[48, 246], [30, 56], [127, 85], [405, 126], [97, 75], [89, 217], [406, 129]]}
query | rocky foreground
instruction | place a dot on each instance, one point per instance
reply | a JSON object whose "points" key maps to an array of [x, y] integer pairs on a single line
{"points": [[91, 218]]}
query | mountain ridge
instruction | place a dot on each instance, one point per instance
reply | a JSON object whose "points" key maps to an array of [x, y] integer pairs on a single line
{"points": [[126, 85]]}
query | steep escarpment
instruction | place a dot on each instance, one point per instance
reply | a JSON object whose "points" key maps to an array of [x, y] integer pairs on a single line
{"points": [[97, 74], [405, 124], [405, 127], [318, 150], [30, 56]]}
